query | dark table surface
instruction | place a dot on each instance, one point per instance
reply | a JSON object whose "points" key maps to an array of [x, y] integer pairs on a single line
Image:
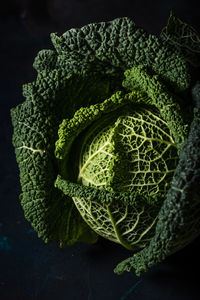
{"points": [[30, 269]]}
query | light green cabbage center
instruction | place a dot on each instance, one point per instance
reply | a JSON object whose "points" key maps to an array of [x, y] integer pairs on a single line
{"points": [[130, 151]]}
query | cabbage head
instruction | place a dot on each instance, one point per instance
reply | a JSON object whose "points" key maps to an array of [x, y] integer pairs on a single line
{"points": [[108, 139]]}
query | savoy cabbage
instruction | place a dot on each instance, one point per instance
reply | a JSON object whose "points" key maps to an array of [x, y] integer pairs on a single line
{"points": [[108, 139]]}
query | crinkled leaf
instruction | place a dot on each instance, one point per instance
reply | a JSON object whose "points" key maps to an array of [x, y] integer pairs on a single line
{"points": [[184, 37], [127, 146], [178, 221], [109, 47], [53, 95]]}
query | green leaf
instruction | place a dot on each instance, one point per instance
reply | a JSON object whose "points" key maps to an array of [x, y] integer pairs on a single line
{"points": [[127, 147], [185, 39], [51, 214], [114, 46], [70, 89], [53, 95], [122, 217], [178, 220], [132, 152], [196, 94], [165, 101]]}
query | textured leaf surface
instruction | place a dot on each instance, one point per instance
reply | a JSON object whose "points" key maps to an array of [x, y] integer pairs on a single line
{"points": [[115, 215], [184, 37], [119, 45], [70, 89], [134, 153], [35, 124], [126, 148], [178, 221], [165, 101]]}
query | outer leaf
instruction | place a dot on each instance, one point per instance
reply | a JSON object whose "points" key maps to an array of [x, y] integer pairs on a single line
{"points": [[184, 37], [118, 45], [196, 94], [35, 123]]}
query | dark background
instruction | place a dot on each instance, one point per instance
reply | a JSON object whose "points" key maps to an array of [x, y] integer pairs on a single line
{"points": [[30, 269]]}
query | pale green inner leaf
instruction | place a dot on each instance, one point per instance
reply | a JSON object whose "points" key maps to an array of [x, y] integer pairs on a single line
{"points": [[130, 151], [136, 151]]}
